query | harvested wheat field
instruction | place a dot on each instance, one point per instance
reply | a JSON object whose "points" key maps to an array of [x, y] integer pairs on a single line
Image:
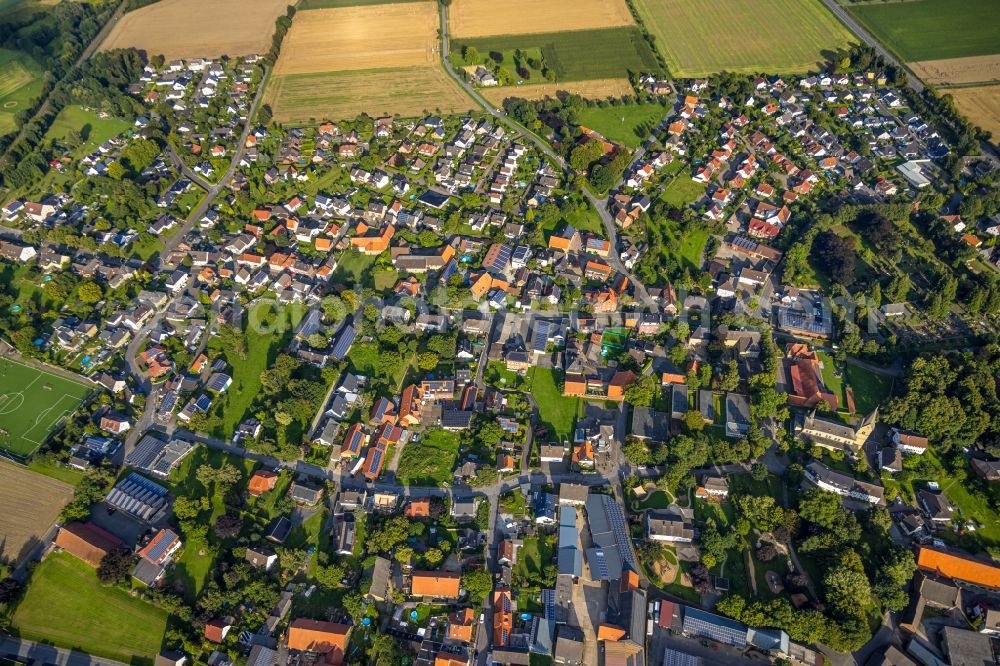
{"points": [[479, 18], [353, 38], [596, 89], [31, 503], [981, 105], [307, 98], [974, 69], [198, 29]]}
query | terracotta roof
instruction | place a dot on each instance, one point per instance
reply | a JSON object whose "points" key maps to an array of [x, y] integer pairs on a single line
{"points": [[609, 632], [449, 659], [460, 624], [960, 567], [328, 638], [216, 630], [435, 584], [262, 481], [86, 541]]}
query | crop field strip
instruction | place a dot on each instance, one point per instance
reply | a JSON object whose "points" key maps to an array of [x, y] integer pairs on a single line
{"points": [[355, 38], [959, 71], [481, 18], [595, 89], [198, 29], [31, 504], [32, 402], [701, 37], [328, 4], [980, 104], [919, 30], [303, 98], [578, 55]]}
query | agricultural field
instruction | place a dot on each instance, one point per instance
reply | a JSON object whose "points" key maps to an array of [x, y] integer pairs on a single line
{"points": [[596, 89], [328, 4], [29, 413], [980, 105], [319, 78], [20, 83], [66, 605], [958, 71], [387, 36], [577, 55], [701, 37], [31, 503], [430, 461], [626, 125], [306, 98], [478, 18], [932, 29], [193, 28]]}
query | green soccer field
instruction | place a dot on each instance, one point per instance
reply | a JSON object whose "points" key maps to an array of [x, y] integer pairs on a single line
{"points": [[32, 402]]}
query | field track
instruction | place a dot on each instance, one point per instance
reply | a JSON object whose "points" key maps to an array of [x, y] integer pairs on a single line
{"points": [[480, 18], [198, 29], [355, 38]]}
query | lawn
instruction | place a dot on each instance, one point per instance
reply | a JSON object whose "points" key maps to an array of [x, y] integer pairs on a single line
{"points": [[628, 125], [66, 605], [870, 390], [20, 84], [353, 268], [578, 55], [586, 218], [430, 461], [147, 247], [263, 343], [196, 562], [832, 382], [701, 37], [933, 29], [655, 500], [683, 246], [532, 557], [682, 191], [94, 129], [557, 412], [32, 403]]}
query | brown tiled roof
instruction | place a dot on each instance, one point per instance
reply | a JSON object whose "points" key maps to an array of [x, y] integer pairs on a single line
{"points": [[86, 541], [435, 584]]}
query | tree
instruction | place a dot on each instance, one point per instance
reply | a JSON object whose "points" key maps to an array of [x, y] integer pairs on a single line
{"points": [[9, 587], [428, 360], [729, 378], [89, 292], [847, 589], [758, 472], [637, 452], [585, 154], [642, 392], [115, 566], [694, 421], [317, 341], [392, 533], [227, 526], [471, 55], [478, 583], [836, 254], [820, 507], [433, 556]]}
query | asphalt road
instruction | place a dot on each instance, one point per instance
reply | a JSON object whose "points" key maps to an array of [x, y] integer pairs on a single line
{"points": [[17, 649]]}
